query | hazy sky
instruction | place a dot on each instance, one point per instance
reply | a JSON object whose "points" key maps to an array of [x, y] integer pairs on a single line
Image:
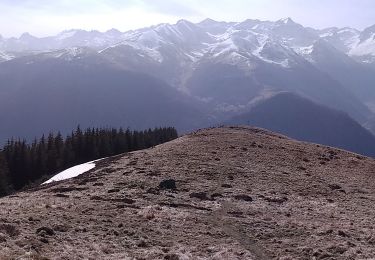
{"points": [[48, 17]]}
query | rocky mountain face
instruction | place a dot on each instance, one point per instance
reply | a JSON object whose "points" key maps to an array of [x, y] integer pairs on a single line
{"points": [[310, 122], [218, 69], [221, 193]]}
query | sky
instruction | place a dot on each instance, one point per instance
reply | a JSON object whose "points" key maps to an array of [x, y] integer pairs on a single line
{"points": [[49, 17]]}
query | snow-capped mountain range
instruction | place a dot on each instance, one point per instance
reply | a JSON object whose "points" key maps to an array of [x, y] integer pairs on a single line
{"points": [[210, 38], [222, 68]]}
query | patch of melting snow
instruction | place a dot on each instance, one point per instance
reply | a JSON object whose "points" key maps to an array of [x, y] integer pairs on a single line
{"points": [[67, 54], [6, 56], [305, 52], [73, 171], [151, 52], [366, 47], [285, 63]]}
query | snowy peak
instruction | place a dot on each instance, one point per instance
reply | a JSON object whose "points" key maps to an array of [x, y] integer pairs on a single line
{"points": [[69, 53], [363, 48], [287, 21], [245, 43], [194, 41], [343, 39]]}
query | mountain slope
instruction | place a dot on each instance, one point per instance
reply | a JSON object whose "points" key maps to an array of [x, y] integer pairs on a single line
{"points": [[357, 77], [82, 88], [304, 120], [227, 193], [211, 59], [217, 70]]}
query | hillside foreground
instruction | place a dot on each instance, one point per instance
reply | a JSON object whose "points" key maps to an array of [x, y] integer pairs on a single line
{"points": [[220, 193]]}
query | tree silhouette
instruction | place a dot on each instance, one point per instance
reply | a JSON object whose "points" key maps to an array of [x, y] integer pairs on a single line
{"points": [[22, 163]]}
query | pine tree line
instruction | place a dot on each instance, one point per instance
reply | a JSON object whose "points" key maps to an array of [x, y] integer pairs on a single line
{"points": [[22, 163]]}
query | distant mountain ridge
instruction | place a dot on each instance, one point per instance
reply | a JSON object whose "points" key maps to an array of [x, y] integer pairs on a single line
{"points": [[215, 70], [357, 44], [304, 120]]}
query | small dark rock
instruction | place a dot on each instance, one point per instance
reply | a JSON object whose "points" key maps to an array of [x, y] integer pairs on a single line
{"points": [[113, 190], [226, 185], [243, 197], [123, 200], [2, 238], [334, 186], [59, 195], [142, 243], [132, 163], [44, 240], [45, 231], [342, 233], [169, 184], [276, 200]]}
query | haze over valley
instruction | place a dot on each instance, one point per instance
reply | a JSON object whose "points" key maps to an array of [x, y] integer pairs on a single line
{"points": [[189, 75]]}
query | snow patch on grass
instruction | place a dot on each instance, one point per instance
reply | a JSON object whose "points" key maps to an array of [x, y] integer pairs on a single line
{"points": [[73, 172]]}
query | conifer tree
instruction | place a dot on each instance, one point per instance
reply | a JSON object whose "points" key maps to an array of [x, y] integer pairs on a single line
{"points": [[22, 163]]}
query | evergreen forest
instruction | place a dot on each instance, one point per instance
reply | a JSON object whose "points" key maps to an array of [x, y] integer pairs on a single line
{"points": [[23, 163]]}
